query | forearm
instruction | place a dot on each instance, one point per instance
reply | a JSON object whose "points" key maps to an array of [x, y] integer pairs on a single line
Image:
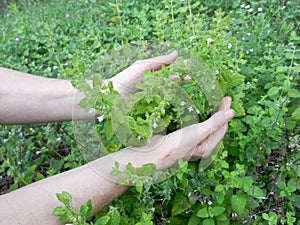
{"points": [[26, 98], [33, 204]]}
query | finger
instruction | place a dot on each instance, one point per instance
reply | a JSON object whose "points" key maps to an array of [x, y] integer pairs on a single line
{"points": [[156, 62], [205, 148], [226, 103], [185, 141]]}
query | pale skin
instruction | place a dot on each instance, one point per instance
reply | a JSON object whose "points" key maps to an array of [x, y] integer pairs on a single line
{"points": [[27, 98]]}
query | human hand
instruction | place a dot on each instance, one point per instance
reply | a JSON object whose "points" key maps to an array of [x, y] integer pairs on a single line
{"points": [[190, 143], [125, 82]]}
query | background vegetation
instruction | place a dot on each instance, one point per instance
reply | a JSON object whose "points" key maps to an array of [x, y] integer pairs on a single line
{"points": [[255, 180]]}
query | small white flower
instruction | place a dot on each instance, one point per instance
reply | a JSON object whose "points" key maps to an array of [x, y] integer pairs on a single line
{"points": [[209, 40], [70, 55], [229, 45], [182, 103], [209, 202], [242, 5], [213, 87], [197, 111], [243, 38], [234, 215], [17, 39], [154, 125], [250, 10], [111, 207], [247, 52], [139, 137], [248, 34], [192, 38], [37, 152], [100, 118], [247, 6], [152, 209], [67, 15], [259, 9], [283, 7], [251, 49], [190, 108], [217, 71]]}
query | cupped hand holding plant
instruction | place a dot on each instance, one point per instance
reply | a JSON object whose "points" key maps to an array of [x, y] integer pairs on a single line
{"points": [[190, 143], [126, 81]]}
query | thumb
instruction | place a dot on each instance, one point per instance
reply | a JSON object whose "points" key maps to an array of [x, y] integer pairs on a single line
{"points": [[156, 62]]}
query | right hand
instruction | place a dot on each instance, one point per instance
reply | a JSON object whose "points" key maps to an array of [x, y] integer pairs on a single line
{"points": [[193, 142]]}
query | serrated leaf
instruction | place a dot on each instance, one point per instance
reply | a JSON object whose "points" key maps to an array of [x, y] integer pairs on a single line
{"points": [[115, 217], [87, 209], [238, 203], [64, 197]]}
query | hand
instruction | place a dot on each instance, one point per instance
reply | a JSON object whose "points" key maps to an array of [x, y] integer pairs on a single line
{"points": [[190, 143], [126, 81]]}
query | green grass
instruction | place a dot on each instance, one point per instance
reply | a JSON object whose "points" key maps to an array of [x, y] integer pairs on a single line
{"points": [[256, 178]]}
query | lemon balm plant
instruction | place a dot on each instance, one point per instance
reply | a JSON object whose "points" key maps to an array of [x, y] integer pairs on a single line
{"points": [[186, 92], [254, 180]]}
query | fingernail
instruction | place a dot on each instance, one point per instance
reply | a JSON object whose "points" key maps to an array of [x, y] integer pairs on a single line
{"points": [[229, 114]]}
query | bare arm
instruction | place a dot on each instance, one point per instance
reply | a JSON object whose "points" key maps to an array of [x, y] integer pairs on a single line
{"points": [[33, 204], [25, 98]]}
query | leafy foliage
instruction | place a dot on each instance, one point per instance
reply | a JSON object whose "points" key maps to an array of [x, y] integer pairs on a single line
{"points": [[254, 180]]}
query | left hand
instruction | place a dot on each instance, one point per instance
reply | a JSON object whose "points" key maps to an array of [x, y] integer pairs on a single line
{"points": [[125, 82]]}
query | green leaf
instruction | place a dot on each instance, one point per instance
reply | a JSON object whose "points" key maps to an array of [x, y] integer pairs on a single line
{"points": [[292, 185], [293, 93], [209, 221], [102, 221], [273, 91], [194, 220], [286, 84], [180, 203], [281, 69], [296, 114], [203, 213], [65, 198], [87, 209], [238, 203], [59, 211], [296, 68], [216, 211], [259, 193], [115, 217]]}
